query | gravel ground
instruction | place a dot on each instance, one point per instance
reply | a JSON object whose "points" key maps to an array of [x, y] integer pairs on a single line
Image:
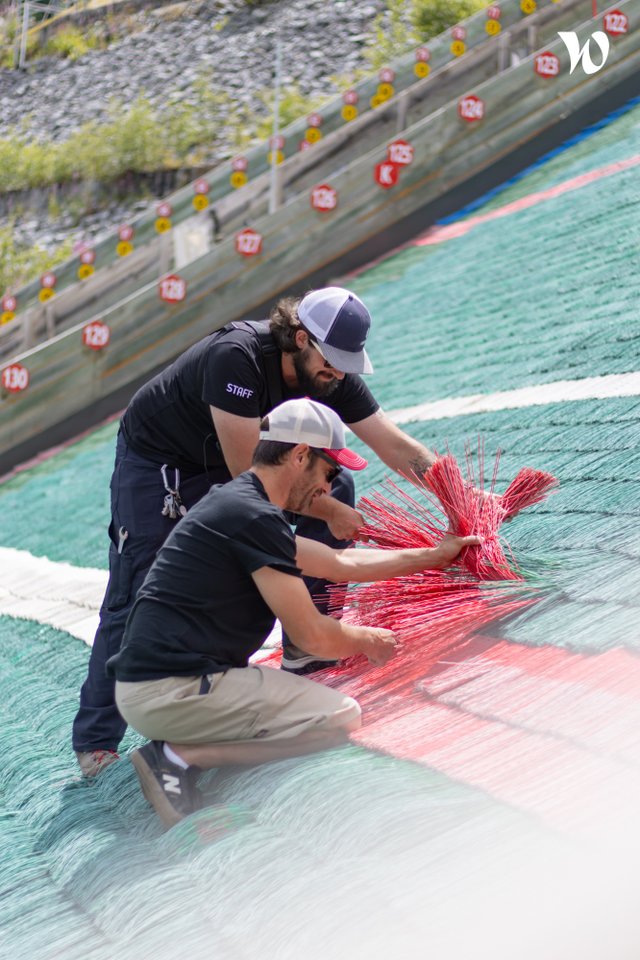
{"points": [[166, 52], [234, 43]]}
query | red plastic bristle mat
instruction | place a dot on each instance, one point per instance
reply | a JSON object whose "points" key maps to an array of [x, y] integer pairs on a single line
{"points": [[544, 729], [401, 520]]}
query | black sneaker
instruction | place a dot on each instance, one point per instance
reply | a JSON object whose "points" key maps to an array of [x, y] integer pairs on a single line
{"points": [[295, 660], [170, 790]]}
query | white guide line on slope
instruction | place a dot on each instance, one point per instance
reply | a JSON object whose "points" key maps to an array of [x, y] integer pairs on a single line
{"points": [[68, 598], [60, 595], [561, 391], [57, 594]]}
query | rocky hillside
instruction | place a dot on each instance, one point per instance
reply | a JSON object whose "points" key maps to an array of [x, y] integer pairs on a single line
{"points": [[163, 54], [168, 49]]}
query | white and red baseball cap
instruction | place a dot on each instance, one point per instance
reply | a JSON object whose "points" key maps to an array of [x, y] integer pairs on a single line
{"points": [[307, 421], [339, 322]]}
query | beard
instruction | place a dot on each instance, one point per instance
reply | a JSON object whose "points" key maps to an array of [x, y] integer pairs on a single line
{"points": [[308, 384]]}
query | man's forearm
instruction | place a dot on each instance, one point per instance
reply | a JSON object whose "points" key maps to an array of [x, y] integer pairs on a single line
{"points": [[400, 451], [419, 462], [343, 521], [407, 456], [413, 459], [322, 508], [333, 639], [361, 565]]}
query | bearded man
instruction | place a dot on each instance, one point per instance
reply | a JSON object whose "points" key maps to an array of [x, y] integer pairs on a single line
{"points": [[197, 424]]}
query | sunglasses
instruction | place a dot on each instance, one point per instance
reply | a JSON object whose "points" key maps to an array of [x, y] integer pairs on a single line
{"points": [[336, 469], [316, 347]]}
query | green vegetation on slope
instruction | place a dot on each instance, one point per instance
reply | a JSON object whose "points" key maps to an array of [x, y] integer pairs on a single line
{"points": [[142, 138], [408, 22], [17, 264]]}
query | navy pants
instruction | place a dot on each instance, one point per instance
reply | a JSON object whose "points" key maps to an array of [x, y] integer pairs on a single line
{"points": [[137, 496]]}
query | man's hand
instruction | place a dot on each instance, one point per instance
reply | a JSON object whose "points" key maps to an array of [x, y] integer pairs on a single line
{"points": [[319, 635], [344, 525], [449, 548], [380, 645], [343, 521]]}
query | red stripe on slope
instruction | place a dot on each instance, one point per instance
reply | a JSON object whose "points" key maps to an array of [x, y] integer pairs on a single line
{"points": [[458, 229]]}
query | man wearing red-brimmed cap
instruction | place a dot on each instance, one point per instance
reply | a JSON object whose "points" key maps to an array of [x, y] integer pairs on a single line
{"points": [[183, 677], [197, 424]]}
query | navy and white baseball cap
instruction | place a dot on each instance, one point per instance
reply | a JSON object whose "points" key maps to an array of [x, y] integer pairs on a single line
{"points": [[307, 421], [340, 322]]}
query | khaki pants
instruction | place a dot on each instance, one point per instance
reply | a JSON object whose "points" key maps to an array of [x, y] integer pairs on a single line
{"points": [[245, 703]]}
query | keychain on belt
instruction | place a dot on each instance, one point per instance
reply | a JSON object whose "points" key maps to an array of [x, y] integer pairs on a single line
{"points": [[173, 505]]}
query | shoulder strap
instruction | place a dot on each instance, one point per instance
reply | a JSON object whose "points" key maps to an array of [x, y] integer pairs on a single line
{"points": [[271, 354]]}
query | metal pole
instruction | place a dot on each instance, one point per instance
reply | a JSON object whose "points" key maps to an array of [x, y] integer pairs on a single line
{"points": [[274, 199], [23, 38], [18, 35]]}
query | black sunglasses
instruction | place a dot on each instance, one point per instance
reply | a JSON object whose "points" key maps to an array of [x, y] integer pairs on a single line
{"points": [[314, 343], [336, 468]]}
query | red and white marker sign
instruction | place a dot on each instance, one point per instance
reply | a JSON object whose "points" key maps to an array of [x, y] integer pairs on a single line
{"points": [[423, 54], [96, 335], [125, 233], [88, 256], [277, 142], [9, 304], [494, 13], [164, 209], [15, 378], [458, 33], [546, 65], [400, 152], [249, 242], [173, 289], [324, 197], [48, 280], [314, 120], [616, 23], [386, 174], [239, 164], [201, 186], [304, 145], [471, 108], [387, 75], [351, 97]]}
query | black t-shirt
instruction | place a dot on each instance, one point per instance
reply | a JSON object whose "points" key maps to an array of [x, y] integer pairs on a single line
{"points": [[169, 421], [199, 610]]}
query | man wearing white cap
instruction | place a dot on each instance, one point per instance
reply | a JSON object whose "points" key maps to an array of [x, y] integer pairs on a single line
{"points": [[210, 600], [197, 424]]}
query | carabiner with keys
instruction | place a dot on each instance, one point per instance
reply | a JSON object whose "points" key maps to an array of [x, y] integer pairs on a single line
{"points": [[173, 507]]}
